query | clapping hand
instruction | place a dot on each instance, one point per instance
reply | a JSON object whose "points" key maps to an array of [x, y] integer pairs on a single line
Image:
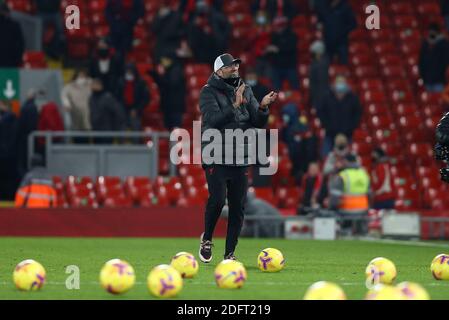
{"points": [[268, 99]]}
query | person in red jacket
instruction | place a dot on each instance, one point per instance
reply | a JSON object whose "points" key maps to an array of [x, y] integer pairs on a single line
{"points": [[382, 181]]}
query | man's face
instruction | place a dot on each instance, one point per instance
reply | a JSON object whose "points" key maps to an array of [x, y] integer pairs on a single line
{"points": [[229, 71]]}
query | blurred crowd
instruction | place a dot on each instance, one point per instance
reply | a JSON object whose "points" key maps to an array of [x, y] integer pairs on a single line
{"points": [[109, 94]]}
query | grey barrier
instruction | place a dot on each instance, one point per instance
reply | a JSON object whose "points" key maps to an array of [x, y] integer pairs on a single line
{"points": [[66, 158]]}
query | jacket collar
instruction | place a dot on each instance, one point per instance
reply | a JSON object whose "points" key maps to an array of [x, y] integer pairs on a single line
{"points": [[218, 83]]}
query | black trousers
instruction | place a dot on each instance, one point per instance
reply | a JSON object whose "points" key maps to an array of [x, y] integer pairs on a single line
{"points": [[222, 181]]}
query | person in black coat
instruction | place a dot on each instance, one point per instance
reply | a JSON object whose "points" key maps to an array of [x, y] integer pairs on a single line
{"points": [[338, 20], [49, 13], [252, 80], [9, 179], [340, 112], [169, 76], [168, 29], [227, 103], [122, 16], [12, 44], [208, 32], [106, 113], [444, 4], [274, 8], [132, 92], [434, 59], [283, 54], [27, 123], [106, 65]]}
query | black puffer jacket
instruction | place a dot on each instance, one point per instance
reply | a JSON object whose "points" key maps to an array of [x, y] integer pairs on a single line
{"points": [[216, 99]]}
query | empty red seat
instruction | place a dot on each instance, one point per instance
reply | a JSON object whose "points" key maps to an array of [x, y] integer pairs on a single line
{"points": [[428, 8], [400, 8], [406, 21]]}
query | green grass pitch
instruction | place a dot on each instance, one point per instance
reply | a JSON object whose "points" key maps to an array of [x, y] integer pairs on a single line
{"points": [[339, 261]]}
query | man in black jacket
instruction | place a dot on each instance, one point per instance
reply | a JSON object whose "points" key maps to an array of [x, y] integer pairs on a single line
{"points": [[12, 45], [434, 59], [227, 103]]}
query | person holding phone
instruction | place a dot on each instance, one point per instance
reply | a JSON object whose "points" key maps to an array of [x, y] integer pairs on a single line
{"points": [[226, 102]]}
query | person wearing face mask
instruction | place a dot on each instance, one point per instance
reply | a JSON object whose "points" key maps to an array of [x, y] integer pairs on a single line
{"points": [[227, 103], [133, 94], [106, 65], [318, 73], [340, 112], [282, 53], [335, 158], [252, 80], [434, 59], [75, 101]]}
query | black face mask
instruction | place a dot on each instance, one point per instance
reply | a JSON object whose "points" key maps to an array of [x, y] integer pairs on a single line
{"points": [[233, 81]]}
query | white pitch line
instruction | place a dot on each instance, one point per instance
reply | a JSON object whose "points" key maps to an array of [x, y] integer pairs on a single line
{"points": [[407, 243]]}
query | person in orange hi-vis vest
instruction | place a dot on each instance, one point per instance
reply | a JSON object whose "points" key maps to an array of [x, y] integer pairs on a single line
{"points": [[36, 189]]}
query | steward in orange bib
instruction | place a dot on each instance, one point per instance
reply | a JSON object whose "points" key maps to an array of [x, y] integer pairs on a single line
{"points": [[36, 189], [349, 192]]}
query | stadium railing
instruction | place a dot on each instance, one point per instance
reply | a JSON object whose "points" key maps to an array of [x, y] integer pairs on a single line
{"points": [[123, 153]]}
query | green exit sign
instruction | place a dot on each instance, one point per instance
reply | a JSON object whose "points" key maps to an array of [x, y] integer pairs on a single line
{"points": [[9, 84]]}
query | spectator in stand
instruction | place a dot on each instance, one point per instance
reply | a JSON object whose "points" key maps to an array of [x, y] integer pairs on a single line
{"points": [[335, 158], [445, 12], [274, 8], [208, 32], [168, 29], [106, 66], [283, 54], [434, 59], [49, 12], [381, 181], [122, 16], [187, 7], [133, 94], [12, 45], [311, 183], [340, 112], [75, 101], [252, 80], [302, 144], [50, 119], [106, 113], [27, 123], [318, 74], [8, 151], [169, 76], [258, 41], [338, 20]]}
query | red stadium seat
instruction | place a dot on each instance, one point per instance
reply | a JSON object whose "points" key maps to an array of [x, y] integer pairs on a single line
{"points": [[404, 22]]}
